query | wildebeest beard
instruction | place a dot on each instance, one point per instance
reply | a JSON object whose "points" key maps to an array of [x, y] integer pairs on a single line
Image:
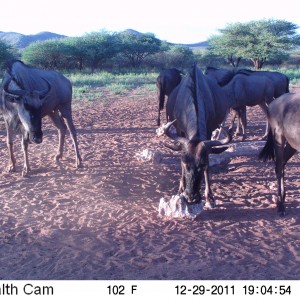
{"points": [[194, 163], [29, 109]]}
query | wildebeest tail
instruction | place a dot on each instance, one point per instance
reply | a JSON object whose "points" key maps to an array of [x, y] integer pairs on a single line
{"points": [[287, 84], [161, 93], [268, 153]]}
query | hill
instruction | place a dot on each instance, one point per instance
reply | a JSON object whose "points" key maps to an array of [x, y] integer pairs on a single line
{"points": [[20, 41], [198, 45], [193, 46]]}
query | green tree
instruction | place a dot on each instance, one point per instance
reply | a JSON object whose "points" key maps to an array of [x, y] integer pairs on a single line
{"points": [[172, 56], [135, 47], [100, 47], [90, 50], [49, 54], [257, 41], [7, 52], [205, 58], [77, 52], [180, 57]]}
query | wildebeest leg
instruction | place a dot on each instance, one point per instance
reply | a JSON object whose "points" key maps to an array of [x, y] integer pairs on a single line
{"points": [[67, 115], [158, 117], [62, 128], [209, 199], [223, 125], [243, 120], [12, 161], [283, 154], [264, 108], [279, 169], [234, 113], [240, 114], [26, 167]]}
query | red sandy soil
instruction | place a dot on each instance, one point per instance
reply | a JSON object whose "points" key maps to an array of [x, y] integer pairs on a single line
{"points": [[101, 221]]}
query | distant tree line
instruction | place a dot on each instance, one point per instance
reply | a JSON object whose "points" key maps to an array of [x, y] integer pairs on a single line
{"points": [[254, 43], [103, 50]]}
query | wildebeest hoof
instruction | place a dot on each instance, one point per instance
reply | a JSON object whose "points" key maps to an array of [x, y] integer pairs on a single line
{"points": [[79, 163], [57, 157], [11, 169], [25, 174]]}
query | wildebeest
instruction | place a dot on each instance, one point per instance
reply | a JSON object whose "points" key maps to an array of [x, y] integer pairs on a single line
{"points": [[280, 84], [283, 138], [247, 90], [166, 81], [196, 107], [223, 76], [279, 80], [29, 94]]}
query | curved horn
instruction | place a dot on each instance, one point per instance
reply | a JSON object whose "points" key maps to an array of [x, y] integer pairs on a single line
{"points": [[224, 141], [5, 85], [165, 129], [43, 93]]}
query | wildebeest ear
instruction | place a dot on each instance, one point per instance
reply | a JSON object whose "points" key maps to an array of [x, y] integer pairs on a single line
{"points": [[217, 150]]}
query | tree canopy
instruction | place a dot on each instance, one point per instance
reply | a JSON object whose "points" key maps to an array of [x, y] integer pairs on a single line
{"points": [[93, 50], [257, 41], [135, 47], [6, 53]]}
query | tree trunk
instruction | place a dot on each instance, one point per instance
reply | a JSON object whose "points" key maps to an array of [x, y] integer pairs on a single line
{"points": [[232, 62], [258, 63]]}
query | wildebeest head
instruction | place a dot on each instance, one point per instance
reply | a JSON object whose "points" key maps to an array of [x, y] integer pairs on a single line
{"points": [[194, 161], [29, 107]]}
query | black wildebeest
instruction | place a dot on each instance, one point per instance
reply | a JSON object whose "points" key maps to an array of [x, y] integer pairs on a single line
{"points": [[283, 138], [279, 80], [280, 83], [196, 107], [280, 86], [166, 81], [29, 94], [223, 76], [246, 90]]}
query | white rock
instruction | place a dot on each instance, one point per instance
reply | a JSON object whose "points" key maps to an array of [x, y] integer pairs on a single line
{"points": [[236, 149], [148, 155], [177, 207]]}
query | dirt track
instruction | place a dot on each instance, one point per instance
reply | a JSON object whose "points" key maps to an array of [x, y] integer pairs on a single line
{"points": [[101, 222]]}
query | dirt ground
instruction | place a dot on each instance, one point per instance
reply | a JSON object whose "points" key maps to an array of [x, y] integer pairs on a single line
{"points": [[101, 221]]}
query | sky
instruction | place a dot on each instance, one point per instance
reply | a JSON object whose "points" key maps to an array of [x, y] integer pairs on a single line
{"points": [[184, 21]]}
